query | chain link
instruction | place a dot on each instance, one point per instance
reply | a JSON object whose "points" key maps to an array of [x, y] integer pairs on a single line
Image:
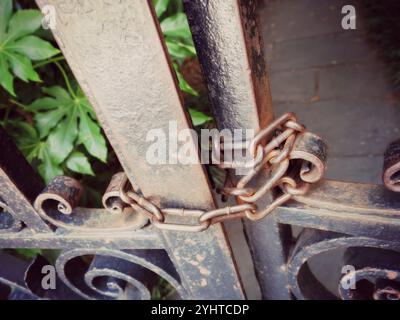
{"points": [[273, 156]]}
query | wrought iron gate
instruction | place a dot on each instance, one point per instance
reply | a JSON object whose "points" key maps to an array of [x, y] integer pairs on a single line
{"points": [[116, 51]]}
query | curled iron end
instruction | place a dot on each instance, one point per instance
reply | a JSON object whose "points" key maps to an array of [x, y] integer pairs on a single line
{"points": [[62, 195], [112, 197], [391, 167], [312, 150]]}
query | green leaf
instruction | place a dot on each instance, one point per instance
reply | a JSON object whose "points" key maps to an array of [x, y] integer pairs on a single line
{"points": [[22, 68], [18, 46], [26, 137], [198, 118], [57, 92], [5, 14], [90, 136], [58, 117], [61, 139], [179, 50], [176, 26], [6, 78], [34, 48], [48, 169], [183, 85], [79, 163], [45, 103], [160, 6], [48, 120], [28, 253], [24, 22]]}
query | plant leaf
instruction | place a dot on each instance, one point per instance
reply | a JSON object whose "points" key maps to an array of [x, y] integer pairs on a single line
{"points": [[22, 68], [79, 163], [5, 14], [48, 169], [160, 6], [24, 22], [176, 26], [26, 137], [61, 139], [198, 117], [90, 136], [48, 120], [183, 85], [179, 50], [6, 78], [45, 103], [34, 48], [57, 92]]}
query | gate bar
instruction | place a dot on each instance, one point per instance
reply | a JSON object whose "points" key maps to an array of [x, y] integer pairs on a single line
{"points": [[230, 51], [20, 185], [116, 51]]}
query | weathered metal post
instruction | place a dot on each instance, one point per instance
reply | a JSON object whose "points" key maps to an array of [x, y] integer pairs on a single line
{"points": [[230, 51], [116, 52]]}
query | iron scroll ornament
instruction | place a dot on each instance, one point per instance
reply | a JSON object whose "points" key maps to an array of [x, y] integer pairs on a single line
{"points": [[58, 204], [376, 273]]}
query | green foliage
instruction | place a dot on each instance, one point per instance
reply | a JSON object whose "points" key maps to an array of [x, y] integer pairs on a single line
{"points": [[19, 47], [178, 39], [58, 131], [64, 123]]}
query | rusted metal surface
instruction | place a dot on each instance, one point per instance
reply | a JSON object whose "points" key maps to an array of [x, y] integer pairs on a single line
{"points": [[58, 203], [352, 208], [139, 95], [391, 166], [147, 238], [292, 144]]}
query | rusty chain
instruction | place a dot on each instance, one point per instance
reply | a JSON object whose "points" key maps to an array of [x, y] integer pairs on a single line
{"points": [[290, 142]]}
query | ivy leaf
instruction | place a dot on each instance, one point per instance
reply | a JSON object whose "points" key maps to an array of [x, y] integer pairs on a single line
{"points": [[198, 117], [79, 163], [34, 48], [26, 137], [179, 50], [90, 136], [19, 47], [22, 68], [48, 120], [5, 14], [183, 85], [33, 148], [6, 78], [176, 26], [48, 169], [62, 139], [68, 121], [24, 22], [160, 6]]}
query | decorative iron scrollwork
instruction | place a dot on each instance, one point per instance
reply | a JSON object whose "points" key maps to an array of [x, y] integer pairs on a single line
{"points": [[391, 166], [8, 221], [375, 267], [58, 204], [112, 274]]}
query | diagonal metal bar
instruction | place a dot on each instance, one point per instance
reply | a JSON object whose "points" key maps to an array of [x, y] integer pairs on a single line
{"points": [[116, 51], [19, 185], [229, 47]]}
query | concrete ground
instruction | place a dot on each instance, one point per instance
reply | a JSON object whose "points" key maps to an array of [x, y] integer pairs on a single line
{"points": [[332, 79]]}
